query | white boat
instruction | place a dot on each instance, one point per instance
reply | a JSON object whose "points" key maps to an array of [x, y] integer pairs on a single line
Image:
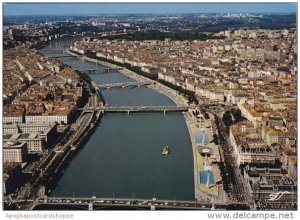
{"points": [[166, 151]]}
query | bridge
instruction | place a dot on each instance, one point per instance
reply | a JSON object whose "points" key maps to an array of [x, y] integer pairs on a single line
{"points": [[128, 109], [122, 85], [102, 70], [57, 50], [93, 203]]}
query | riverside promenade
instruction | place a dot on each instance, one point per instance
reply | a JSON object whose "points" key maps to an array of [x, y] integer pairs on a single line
{"points": [[203, 191], [201, 194]]}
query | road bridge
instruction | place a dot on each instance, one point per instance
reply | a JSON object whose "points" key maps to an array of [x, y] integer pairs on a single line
{"points": [[122, 85], [59, 51], [91, 202], [102, 70], [94, 203], [128, 109]]}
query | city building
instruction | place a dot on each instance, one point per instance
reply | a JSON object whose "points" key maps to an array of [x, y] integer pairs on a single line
{"points": [[35, 142], [289, 162], [248, 146], [14, 151], [28, 128], [13, 114], [271, 188]]}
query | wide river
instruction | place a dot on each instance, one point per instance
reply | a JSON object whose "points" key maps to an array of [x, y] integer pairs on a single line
{"points": [[122, 158]]}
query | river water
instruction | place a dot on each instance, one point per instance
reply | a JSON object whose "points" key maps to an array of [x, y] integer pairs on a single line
{"points": [[122, 158]]}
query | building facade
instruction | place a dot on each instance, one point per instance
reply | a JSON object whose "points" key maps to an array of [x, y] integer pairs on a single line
{"points": [[14, 151]]}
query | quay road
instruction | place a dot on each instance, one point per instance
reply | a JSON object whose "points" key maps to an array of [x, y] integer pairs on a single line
{"points": [[238, 186], [129, 109]]}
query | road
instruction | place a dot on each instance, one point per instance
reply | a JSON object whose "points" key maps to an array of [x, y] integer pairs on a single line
{"points": [[238, 191]]}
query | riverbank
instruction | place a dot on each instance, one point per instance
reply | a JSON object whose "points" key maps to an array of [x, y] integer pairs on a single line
{"points": [[205, 192]]}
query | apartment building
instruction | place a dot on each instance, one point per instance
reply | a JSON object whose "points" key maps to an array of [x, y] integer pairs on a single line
{"points": [[289, 162], [248, 146], [13, 114]]}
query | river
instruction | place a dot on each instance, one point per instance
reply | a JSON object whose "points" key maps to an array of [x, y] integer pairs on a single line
{"points": [[122, 158]]}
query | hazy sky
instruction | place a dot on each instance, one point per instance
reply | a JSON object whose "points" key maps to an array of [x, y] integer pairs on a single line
{"points": [[94, 8]]}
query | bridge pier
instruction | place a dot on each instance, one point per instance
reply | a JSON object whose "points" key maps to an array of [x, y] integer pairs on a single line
{"points": [[212, 204], [91, 207], [128, 112]]}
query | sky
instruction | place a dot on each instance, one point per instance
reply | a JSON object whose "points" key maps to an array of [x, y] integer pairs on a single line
{"points": [[141, 8]]}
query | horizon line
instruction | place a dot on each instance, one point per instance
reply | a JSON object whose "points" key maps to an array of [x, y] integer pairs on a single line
{"points": [[153, 13]]}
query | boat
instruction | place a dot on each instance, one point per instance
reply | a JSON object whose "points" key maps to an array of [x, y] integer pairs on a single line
{"points": [[166, 151]]}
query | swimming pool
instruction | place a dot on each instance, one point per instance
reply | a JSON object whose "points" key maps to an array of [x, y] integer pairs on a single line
{"points": [[199, 137], [203, 177]]}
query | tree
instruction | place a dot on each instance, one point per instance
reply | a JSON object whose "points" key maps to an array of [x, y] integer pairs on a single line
{"points": [[237, 115], [231, 117], [227, 118], [206, 115], [216, 139]]}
